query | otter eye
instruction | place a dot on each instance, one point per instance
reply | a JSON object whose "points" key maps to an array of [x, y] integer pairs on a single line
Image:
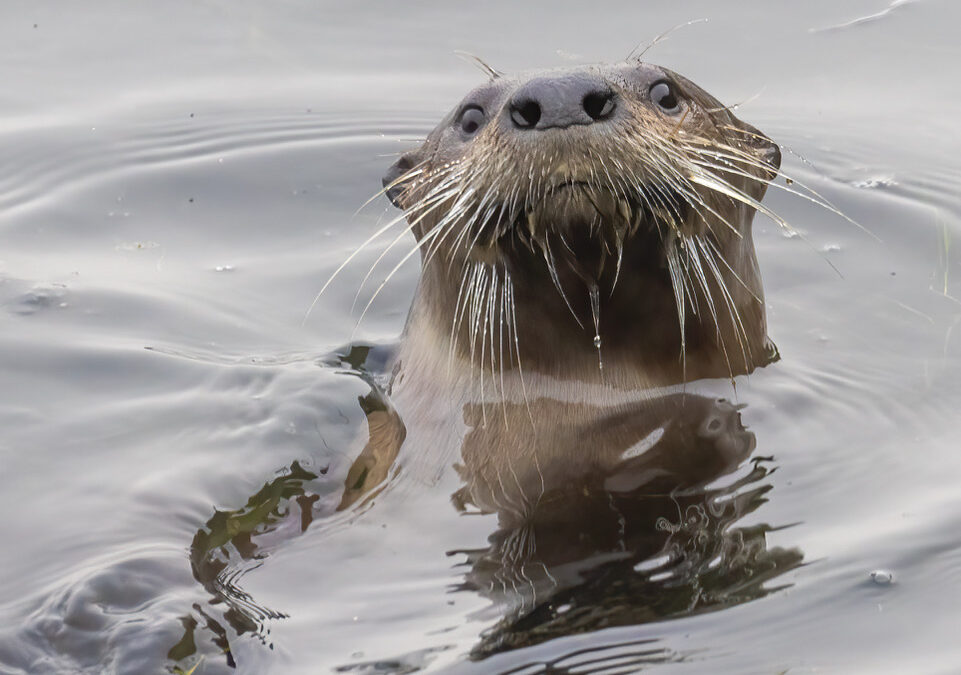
{"points": [[471, 119], [662, 94]]}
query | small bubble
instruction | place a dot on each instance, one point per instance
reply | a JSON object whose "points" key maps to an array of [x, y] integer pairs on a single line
{"points": [[830, 248], [882, 577], [224, 268]]}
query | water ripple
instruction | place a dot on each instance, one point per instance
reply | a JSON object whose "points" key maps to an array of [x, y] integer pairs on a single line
{"points": [[42, 165]]}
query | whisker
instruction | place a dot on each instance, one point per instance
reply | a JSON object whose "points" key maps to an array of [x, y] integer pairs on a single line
{"points": [[407, 257], [718, 185], [659, 38]]}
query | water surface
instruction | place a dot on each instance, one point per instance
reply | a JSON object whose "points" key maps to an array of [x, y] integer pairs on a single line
{"points": [[176, 185]]}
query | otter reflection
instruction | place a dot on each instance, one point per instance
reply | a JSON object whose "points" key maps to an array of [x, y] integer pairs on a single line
{"points": [[612, 516], [635, 526]]}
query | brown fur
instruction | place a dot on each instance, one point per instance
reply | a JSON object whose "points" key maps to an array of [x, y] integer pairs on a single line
{"points": [[550, 309]]}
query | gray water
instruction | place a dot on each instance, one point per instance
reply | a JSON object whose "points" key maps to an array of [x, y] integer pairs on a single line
{"points": [[178, 180]]}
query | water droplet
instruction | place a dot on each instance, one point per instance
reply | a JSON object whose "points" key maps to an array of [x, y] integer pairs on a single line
{"points": [[224, 268], [882, 577], [595, 295]]}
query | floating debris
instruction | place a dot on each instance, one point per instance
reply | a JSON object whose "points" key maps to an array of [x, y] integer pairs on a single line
{"points": [[136, 245], [40, 297], [874, 183]]}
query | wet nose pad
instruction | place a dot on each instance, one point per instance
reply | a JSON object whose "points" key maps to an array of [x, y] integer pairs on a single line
{"points": [[547, 102]]}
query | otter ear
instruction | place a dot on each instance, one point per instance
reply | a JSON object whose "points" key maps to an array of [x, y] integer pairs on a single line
{"points": [[394, 183]]}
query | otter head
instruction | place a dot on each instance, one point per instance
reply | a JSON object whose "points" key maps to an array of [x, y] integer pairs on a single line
{"points": [[566, 214]]}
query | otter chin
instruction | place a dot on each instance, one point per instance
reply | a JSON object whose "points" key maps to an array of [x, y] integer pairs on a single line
{"points": [[588, 224]]}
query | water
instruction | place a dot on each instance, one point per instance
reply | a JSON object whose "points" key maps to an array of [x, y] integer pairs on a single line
{"points": [[177, 184]]}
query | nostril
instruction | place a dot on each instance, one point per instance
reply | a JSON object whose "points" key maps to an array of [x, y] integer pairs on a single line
{"points": [[525, 114], [599, 104]]}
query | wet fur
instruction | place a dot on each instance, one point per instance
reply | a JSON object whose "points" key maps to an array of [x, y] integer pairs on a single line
{"points": [[567, 276], [637, 234]]}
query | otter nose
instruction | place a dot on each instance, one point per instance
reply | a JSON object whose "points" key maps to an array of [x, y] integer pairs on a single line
{"points": [[546, 102]]}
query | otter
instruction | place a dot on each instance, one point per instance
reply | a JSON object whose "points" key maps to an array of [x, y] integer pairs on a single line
{"points": [[586, 251], [585, 241]]}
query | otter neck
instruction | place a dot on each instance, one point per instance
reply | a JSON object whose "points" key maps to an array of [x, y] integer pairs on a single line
{"points": [[509, 315]]}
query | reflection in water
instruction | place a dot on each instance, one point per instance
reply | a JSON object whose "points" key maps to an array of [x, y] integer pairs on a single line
{"points": [[225, 547], [637, 531], [604, 519], [232, 543], [616, 657]]}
